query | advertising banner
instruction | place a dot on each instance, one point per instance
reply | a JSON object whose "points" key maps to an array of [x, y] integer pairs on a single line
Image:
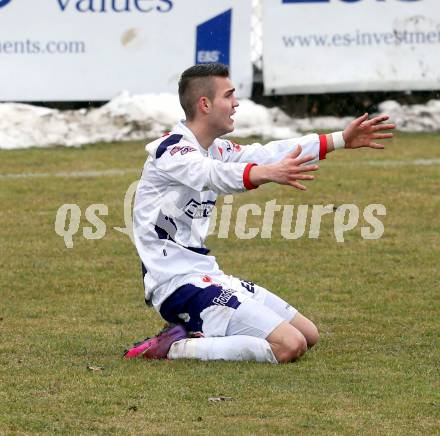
{"points": [[318, 46], [70, 50]]}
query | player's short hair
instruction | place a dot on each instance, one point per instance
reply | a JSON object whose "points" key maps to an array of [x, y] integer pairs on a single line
{"points": [[196, 82]]}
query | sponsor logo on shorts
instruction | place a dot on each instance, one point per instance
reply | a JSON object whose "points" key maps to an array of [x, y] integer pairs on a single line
{"points": [[249, 286], [224, 297]]}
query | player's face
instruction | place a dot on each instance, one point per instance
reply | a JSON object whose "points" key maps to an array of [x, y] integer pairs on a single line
{"points": [[223, 105]]}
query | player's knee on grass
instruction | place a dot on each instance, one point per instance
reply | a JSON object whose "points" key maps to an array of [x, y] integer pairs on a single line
{"points": [[307, 328], [291, 349], [287, 343]]}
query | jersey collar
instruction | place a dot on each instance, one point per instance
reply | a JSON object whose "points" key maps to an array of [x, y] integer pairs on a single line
{"points": [[182, 128]]}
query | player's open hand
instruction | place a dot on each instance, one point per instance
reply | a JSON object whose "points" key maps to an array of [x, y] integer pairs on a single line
{"points": [[364, 132], [292, 168]]}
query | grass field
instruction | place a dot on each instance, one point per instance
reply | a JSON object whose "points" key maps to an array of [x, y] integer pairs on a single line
{"points": [[376, 369]]}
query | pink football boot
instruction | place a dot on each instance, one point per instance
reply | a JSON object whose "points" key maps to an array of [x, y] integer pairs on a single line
{"points": [[158, 346]]}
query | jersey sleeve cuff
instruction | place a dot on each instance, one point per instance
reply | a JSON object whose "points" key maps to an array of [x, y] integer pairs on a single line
{"points": [[246, 180], [322, 146]]}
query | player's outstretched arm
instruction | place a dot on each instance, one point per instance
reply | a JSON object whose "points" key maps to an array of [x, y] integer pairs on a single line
{"points": [[363, 132], [289, 171]]}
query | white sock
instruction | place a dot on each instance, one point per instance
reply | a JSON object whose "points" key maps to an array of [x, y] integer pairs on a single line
{"points": [[223, 348]]}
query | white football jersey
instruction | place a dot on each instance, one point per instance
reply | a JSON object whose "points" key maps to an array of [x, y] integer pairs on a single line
{"points": [[175, 196]]}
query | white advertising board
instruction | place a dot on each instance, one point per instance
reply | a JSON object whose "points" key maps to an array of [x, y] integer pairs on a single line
{"points": [[70, 50], [318, 46]]}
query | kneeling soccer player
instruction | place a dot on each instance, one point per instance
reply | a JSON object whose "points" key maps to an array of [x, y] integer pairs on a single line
{"points": [[214, 316]]}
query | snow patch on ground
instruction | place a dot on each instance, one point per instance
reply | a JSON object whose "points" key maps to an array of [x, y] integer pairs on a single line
{"points": [[414, 118], [137, 117]]}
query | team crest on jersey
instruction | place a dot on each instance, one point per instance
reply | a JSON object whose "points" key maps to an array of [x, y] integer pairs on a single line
{"points": [[183, 150]]}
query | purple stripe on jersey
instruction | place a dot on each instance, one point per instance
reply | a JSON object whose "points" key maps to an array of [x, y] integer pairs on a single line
{"points": [[170, 140]]}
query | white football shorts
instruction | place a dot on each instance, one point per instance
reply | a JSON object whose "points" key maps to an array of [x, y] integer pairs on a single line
{"points": [[224, 305]]}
